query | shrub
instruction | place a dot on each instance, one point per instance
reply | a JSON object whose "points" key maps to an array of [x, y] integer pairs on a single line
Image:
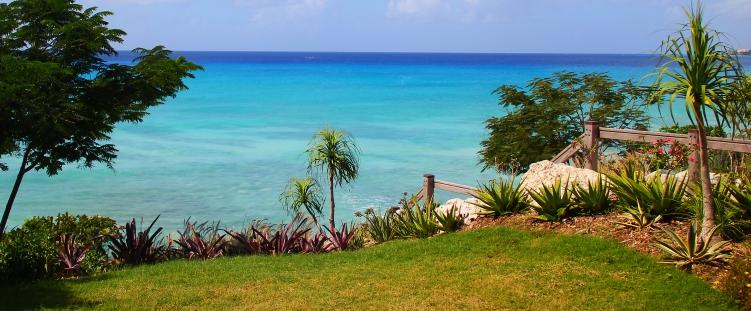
{"points": [[284, 238], [200, 241], [500, 198], [684, 254], [315, 243], [652, 198], [342, 239], [30, 251], [133, 247], [450, 221], [732, 204], [71, 254], [593, 199], [553, 202], [417, 219], [380, 228]]}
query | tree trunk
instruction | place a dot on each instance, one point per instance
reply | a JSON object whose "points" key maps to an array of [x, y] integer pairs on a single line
{"points": [[706, 185], [12, 198], [331, 195]]}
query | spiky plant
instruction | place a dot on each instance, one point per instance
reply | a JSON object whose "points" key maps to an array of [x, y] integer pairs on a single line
{"points": [[594, 198], [71, 254], [552, 202], [315, 243], [380, 228], [665, 197], [684, 254], [133, 247], [450, 220], [501, 198], [342, 239], [417, 218], [732, 208], [201, 241], [303, 195], [637, 218]]}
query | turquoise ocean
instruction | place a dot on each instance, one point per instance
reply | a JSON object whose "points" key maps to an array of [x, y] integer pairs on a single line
{"points": [[225, 148]]}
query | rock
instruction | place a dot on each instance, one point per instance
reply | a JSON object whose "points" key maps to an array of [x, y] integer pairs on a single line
{"points": [[663, 175], [546, 173], [464, 207], [715, 178]]}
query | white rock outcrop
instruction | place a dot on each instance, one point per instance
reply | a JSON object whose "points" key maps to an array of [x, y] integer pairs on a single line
{"points": [[466, 207], [546, 173]]}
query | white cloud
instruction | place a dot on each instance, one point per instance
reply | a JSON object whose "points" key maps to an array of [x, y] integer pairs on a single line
{"points": [[462, 10], [269, 10]]}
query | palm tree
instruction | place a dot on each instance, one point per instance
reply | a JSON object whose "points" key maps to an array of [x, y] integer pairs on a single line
{"points": [[699, 69], [334, 153], [303, 193]]}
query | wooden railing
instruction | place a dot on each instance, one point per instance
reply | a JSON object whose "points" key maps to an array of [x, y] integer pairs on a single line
{"points": [[430, 184], [593, 134]]}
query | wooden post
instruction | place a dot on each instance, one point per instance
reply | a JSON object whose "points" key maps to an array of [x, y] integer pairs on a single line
{"points": [[591, 137], [693, 158], [428, 184]]}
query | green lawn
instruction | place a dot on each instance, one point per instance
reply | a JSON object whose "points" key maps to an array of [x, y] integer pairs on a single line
{"points": [[492, 268]]}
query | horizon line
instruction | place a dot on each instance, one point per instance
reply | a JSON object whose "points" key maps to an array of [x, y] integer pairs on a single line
{"points": [[409, 52]]}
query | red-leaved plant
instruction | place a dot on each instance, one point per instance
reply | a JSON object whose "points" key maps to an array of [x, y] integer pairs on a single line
{"points": [[71, 254]]}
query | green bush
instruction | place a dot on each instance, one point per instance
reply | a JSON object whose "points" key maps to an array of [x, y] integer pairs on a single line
{"points": [[501, 198], [30, 251], [553, 203]]}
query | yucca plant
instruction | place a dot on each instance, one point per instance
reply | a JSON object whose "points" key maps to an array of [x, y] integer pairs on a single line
{"points": [[684, 254], [501, 198], [71, 254], [201, 241], [553, 203], [594, 198], [342, 239], [637, 218], [417, 218], [380, 228], [133, 247], [450, 220]]}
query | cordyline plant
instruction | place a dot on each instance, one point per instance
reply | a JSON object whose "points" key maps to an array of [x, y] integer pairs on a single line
{"points": [[699, 69], [342, 239], [71, 254], [201, 241], [134, 247]]}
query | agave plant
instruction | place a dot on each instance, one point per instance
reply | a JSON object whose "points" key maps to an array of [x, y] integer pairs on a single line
{"points": [[417, 220], [684, 254], [594, 198], [135, 247], [628, 185], [500, 198], [201, 241], [732, 203], [553, 203], [637, 218], [450, 221], [71, 254], [380, 228], [342, 239], [665, 197]]}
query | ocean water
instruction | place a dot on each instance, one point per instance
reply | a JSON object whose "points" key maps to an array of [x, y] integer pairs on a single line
{"points": [[225, 148]]}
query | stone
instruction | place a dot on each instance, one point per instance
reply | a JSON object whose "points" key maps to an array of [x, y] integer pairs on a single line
{"points": [[546, 173]]}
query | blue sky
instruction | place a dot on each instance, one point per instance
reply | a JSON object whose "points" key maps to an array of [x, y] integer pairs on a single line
{"points": [[503, 26]]}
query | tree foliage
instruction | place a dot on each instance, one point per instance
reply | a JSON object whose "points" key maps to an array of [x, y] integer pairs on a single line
{"points": [[59, 99], [546, 116]]}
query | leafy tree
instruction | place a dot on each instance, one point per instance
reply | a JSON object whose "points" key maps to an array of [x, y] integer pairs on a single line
{"points": [[549, 114], [700, 70], [334, 153], [59, 99], [303, 193]]}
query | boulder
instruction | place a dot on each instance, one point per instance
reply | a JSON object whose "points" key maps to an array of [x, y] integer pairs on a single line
{"points": [[465, 207], [715, 178], [546, 173]]}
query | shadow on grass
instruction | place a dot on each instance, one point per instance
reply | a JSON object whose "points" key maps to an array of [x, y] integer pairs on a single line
{"points": [[44, 294]]}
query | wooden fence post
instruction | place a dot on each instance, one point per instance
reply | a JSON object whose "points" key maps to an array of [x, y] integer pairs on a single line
{"points": [[591, 137], [693, 158], [428, 184]]}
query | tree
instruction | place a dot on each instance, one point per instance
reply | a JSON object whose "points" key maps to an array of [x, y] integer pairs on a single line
{"points": [[699, 69], [59, 99], [334, 153], [303, 193], [549, 115]]}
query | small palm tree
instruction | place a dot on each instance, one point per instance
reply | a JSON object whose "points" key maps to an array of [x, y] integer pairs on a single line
{"points": [[303, 193], [334, 153], [700, 70]]}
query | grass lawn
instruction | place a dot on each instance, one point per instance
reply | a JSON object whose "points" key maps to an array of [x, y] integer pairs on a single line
{"points": [[492, 268]]}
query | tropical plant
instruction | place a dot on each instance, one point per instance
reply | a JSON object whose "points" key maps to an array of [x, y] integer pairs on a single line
{"points": [[315, 243], [133, 247], [628, 184], [700, 70], [200, 241], [501, 198], [684, 254], [71, 254], [334, 153], [552, 202], [664, 195], [380, 228], [594, 198], [450, 220], [342, 239], [547, 114], [284, 238], [303, 195], [60, 99], [637, 218], [417, 218], [732, 204]]}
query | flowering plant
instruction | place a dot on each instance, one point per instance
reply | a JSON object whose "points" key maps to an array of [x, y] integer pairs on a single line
{"points": [[667, 154]]}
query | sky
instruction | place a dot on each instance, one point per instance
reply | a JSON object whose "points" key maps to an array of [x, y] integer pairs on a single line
{"points": [[477, 26]]}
